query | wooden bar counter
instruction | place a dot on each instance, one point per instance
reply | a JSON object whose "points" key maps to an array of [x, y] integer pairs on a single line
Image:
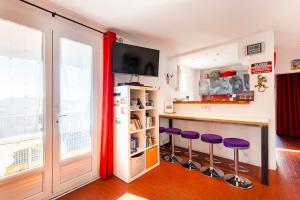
{"points": [[262, 123]]}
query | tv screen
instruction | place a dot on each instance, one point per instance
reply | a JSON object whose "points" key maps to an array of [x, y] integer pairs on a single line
{"points": [[129, 59]]}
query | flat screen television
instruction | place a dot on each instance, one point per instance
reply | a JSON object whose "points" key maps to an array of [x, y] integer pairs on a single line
{"points": [[129, 59]]}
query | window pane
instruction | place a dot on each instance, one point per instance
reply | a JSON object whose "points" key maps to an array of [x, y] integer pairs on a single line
{"points": [[21, 98], [75, 98]]}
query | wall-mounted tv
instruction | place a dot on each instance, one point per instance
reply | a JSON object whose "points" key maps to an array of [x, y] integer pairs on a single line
{"points": [[129, 59]]}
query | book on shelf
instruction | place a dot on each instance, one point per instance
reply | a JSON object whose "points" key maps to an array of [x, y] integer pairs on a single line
{"points": [[135, 123], [150, 121]]}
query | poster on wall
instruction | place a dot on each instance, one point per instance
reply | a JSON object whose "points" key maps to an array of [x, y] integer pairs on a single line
{"points": [[254, 48], [262, 67], [295, 64]]}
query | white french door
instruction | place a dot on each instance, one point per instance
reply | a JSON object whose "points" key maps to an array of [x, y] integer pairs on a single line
{"points": [[49, 81], [25, 107], [75, 159]]}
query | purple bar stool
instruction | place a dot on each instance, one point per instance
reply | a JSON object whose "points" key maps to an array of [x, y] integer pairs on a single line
{"points": [[235, 179], [172, 158], [162, 130], [190, 135], [210, 170]]}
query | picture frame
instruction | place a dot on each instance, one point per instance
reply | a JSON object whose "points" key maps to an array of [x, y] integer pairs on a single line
{"points": [[295, 64]]}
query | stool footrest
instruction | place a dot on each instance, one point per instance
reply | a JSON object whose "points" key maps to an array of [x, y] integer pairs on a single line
{"points": [[216, 161], [241, 168]]}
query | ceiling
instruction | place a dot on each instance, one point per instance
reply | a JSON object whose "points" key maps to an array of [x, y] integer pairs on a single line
{"points": [[221, 56], [189, 25]]}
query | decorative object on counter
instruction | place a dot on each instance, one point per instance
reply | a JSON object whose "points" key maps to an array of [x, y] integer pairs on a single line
{"points": [[169, 107], [254, 48], [262, 67], [245, 96], [295, 64], [225, 97], [261, 83]]}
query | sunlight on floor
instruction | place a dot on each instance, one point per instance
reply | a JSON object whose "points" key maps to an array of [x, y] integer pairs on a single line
{"points": [[128, 196], [288, 150]]}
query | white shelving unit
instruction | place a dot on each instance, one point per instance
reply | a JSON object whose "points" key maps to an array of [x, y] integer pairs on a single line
{"points": [[129, 164]]}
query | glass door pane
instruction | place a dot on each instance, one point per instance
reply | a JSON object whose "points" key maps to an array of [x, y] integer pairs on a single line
{"points": [[21, 98], [75, 95]]}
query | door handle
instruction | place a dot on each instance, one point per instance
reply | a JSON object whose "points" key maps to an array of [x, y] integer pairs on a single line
{"points": [[59, 116]]}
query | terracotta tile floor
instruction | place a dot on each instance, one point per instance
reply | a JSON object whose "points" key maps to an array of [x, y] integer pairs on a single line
{"points": [[171, 181]]}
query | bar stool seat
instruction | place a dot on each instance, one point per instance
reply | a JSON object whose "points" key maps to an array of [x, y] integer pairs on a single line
{"points": [[162, 129], [172, 158], [211, 138], [231, 165], [173, 131], [210, 170], [235, 179], [162, 147], [190, 135], [236, 143], [214, 139]]}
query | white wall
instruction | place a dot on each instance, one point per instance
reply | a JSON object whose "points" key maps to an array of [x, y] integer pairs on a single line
{"points": [[263, 107], [284, 58]]}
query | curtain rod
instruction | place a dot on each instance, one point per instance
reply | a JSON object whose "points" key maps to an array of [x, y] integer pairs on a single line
{"points": [[54, 14]]}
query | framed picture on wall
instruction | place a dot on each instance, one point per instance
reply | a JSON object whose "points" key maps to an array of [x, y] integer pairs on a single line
{"points": [[295, 64]]}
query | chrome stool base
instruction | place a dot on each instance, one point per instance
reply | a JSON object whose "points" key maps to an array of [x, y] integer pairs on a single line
{"points": [[238, 181], [241, 168], [216, 161], [190, 165], [212, 172], [173, 159]]}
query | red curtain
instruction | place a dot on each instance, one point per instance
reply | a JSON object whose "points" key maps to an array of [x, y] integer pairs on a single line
{"points": [[107, 131], [288, 104]]}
